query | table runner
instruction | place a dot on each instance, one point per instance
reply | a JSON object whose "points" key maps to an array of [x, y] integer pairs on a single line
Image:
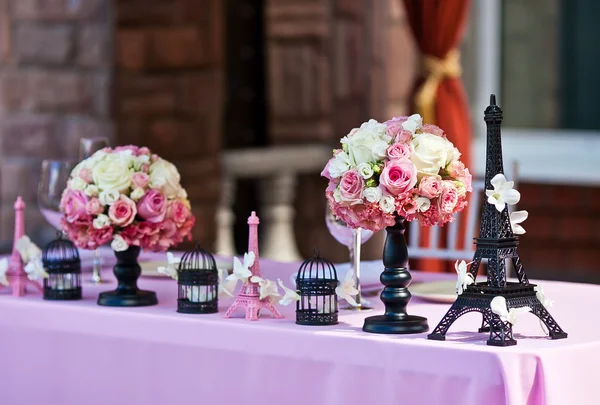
{"points": [[79, 353]]}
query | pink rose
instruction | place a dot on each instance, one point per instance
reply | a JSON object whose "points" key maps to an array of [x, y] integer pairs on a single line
{"points": [[145, 168], [430, 186], [144, 151], [398, 176], [73, 204], [325, 172], [134, 149], [432, 129], [86, 175], [153, 206], [399, 151], [458, 170], [351, 187], [93, 207], [177, 211], [122, 212], [448, 198], [140, 179]]}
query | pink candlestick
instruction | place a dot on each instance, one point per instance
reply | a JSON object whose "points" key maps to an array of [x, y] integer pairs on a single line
{"points": [[17, 278], [249, 296]]}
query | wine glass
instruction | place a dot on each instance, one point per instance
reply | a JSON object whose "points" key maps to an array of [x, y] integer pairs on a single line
{"points": [[352, 239], [53, 181], [87, 147]]}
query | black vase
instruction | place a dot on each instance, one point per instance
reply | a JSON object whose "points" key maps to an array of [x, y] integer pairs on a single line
{"points": [[396, 278], [127, 270]]}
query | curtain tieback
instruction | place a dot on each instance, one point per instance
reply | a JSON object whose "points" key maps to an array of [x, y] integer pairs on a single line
{"points": [[435, 70]]}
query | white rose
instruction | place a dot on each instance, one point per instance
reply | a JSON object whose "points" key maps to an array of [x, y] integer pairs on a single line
{"points": [[430, 154], [422, 204], [452, 152], [139, 161], [91, 190], [118, 244], [365, 170], [372, 194], [137, 193], [109, 197], [182, 194], [112, 173], [376, 129], [380, 149], [78, 184], [413, 123], [164, 176], [101, 221], [339, 165], [387, 204]]}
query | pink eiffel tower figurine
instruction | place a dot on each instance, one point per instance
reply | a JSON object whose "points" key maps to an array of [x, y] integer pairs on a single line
{"points": [[249, 298], [17, 278]]}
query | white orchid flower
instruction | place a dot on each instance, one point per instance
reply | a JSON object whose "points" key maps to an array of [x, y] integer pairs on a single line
{"points": [[171, 268], [289, 295], [539, 293], [499, 307], [516, 218], [267, 288], [503, 192], [464, 277], [226, 287], [27, 249], [241, 271], [347, 289], [198, 294], [35, 269], [3, 270]]}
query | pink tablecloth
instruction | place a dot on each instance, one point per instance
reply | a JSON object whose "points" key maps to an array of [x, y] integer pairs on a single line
{"points": [[77, 353]]}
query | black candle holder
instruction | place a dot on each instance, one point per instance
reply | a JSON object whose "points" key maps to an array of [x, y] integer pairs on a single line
{"points": [[496, 243], [316, 283], [396, 278], [197, 283], [61, 261]]}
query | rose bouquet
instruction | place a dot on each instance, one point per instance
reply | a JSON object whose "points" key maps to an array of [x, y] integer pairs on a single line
{"points": [[400, 167], [129, 197]]}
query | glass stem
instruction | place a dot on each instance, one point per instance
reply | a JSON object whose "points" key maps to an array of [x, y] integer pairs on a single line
{"points": [[355, 260], [96, 269]]}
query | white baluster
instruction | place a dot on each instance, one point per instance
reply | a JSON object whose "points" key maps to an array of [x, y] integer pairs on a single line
{"points": [[225, 218]]}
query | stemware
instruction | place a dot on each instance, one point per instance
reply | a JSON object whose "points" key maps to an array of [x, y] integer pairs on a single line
{"points": [[87, 147], [53, 181], [352, 239]]}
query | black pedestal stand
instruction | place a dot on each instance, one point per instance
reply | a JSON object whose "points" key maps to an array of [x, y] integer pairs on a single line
{"points": [[396, 278]]}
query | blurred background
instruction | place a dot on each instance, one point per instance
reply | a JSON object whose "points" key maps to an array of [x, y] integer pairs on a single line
{"points": [[248, 97]]}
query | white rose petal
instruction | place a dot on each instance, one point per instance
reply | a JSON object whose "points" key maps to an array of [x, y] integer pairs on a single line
{"points": [[387, 204], [413, 123], [422, 204], [380, 149], [429, 154], [182, 194], [365, 170], [101, 221], [372, 194], [339, 165], [78, 184], [118, 244], [112, 173], [91, 191], [108, 197], [137, 193], [336, 195], [164, 176], [139, 161]]}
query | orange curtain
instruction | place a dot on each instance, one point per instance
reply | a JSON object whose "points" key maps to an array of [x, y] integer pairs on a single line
{"points": [[437, 26]]}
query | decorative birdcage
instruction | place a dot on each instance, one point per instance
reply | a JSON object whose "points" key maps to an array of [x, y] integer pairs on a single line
{"points": [[316, 283], [198, 283], [61, 261]]}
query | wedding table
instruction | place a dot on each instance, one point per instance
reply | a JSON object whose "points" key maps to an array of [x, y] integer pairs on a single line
{"points": [[82, 354]]}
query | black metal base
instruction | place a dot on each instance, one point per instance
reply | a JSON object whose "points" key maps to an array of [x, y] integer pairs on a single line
{"points": [[62, 295], [186, 307], [392, 325], [313, 318], [138, 298]]}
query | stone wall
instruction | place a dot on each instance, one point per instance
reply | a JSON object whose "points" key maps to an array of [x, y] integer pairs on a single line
{"points": [[168, 91], [55, 63]]}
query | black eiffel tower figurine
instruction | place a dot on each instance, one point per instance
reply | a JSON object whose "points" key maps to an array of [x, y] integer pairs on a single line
{"points": [[497, 243]]}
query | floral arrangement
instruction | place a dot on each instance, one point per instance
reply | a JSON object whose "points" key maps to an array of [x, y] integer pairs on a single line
{"points": [[400, 167], [127, 196]]}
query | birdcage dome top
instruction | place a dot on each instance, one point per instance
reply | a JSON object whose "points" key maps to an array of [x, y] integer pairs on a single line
{"points": [[317, 268], [197, 260], [61, 255]]}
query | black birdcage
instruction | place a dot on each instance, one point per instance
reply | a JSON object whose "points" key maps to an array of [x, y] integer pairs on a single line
{"points": [[60, 259], [316, 283], [198, 283]]}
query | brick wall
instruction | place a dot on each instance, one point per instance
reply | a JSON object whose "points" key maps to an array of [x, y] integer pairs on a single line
{"points": [[333, 64], [168, 91], [55, 63]]}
